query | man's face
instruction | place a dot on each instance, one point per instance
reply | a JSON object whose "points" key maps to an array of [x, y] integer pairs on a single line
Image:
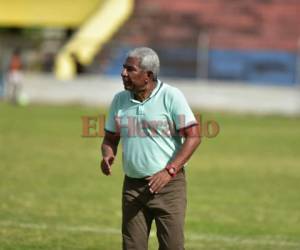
{"points": [[134, 78]]}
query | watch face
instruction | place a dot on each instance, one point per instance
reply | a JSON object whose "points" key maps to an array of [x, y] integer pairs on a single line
{"points": [[172, 171]]}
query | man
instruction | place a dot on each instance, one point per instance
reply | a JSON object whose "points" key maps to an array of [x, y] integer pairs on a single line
{"points": [[159, 133], [15, 77]]}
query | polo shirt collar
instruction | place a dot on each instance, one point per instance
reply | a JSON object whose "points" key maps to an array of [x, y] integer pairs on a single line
{"points": [[155, 90]]}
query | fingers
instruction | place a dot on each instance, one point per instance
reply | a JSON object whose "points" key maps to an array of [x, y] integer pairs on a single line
{"points": [[106, 165], [105, 168], [158, 181], [111, 160], [156, 186]]}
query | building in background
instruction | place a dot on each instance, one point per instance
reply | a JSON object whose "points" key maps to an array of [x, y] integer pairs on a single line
{"points": [[256, 41], [68, 33]]}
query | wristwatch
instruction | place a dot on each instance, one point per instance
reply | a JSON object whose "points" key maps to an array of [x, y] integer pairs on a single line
{"points": [[172, 170]]}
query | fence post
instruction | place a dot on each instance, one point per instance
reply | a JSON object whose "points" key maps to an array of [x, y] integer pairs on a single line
{"points": [[202, 56]]}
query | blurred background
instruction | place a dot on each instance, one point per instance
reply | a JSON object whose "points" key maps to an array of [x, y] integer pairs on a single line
{"points": [[252, 41], [248, 43], [236, 61]]}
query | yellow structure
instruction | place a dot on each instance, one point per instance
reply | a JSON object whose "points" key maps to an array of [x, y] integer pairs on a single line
{"points": [[92, 35], [97, 21], [46, 13]]}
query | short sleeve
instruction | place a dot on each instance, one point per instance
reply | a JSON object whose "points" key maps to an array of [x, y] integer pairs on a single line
{"points": [[110, 122], [181, 112]]}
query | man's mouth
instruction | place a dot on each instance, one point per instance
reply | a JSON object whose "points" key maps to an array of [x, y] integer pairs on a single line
{"points": [[127, 83]]}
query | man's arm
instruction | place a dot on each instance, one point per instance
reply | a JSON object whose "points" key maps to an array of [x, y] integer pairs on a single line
{"points": [[109, 151], [192, 141]]}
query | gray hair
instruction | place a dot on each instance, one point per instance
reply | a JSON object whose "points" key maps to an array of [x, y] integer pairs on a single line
{"points": [[148, 58]]}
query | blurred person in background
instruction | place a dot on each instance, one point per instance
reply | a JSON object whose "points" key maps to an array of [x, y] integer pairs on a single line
{"points": [[159, 133], [15, 77]]}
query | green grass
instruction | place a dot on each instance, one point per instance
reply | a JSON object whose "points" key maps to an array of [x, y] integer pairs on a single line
{"points": [[243, 185]]}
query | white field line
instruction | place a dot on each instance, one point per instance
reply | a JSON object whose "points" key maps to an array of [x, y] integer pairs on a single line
{"points": [[190, 236]]}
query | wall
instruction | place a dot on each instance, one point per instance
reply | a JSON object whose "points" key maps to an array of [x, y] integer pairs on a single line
{"points": [[251, 40]]}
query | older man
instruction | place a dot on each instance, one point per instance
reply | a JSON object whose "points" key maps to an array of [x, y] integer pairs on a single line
{"points": [[159, 133]]}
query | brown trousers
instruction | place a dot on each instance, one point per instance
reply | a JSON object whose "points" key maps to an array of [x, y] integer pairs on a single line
{"points": [[140, 208]]}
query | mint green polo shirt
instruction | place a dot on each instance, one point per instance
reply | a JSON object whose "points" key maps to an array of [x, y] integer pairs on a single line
{"points": [[149, 129]]}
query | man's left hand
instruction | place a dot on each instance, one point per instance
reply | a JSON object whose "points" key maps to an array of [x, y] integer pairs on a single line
{"points": [[158, 181]]}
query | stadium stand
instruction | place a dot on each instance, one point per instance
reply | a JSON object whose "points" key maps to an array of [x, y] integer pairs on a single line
{"points": [[254, 41]]}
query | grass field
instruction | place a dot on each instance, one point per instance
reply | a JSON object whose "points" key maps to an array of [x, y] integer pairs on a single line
{"points": [[243, 185]]}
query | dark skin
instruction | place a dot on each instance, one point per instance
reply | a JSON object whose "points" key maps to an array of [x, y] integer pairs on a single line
{"points": [[141, 84], [136, 80]]}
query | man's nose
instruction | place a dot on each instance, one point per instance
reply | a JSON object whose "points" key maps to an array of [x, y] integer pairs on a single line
{"points": [[124, 72]]}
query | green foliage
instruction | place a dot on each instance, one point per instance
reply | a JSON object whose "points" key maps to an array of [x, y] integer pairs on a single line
{"points": [[243, 185]]}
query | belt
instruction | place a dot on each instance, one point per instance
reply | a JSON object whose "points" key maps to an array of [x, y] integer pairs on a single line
{"points": [[144, 179]]}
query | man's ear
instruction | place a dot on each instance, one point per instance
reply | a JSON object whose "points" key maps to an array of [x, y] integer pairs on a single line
{"points": [[150, 74]]}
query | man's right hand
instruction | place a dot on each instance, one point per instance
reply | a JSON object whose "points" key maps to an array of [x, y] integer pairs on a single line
{"points": [[106, 164]]}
